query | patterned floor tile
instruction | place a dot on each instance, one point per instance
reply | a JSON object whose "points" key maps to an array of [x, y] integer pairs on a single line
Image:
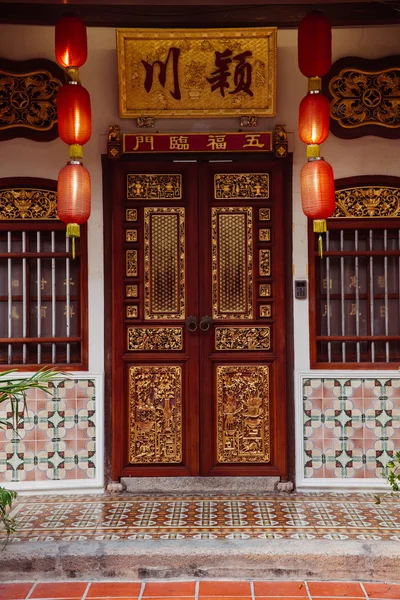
{"points": [[329, 516]]}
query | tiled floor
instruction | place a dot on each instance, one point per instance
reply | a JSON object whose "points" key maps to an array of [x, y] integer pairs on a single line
{"points": [[201, 590], [137, 517]]}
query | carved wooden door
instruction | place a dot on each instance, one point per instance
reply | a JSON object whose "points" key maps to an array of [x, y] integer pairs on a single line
{"points": [[198, 319]]}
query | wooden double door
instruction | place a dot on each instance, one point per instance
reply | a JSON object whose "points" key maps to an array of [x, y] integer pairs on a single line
{"points": [[198, 318]]}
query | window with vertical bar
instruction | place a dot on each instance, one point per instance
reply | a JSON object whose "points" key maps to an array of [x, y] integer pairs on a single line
{"points": [[42, 289], [355, 291]]}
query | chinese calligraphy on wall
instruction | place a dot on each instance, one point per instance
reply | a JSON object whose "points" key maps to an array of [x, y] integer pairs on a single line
{"points": [[188, 73]]}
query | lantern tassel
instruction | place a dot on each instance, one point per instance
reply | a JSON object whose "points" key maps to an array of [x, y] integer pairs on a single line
{"points": [[73, 231], [319, 226], [320, 246]]}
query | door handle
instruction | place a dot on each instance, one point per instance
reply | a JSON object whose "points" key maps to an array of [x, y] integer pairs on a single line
{"points": [[206, 323], [191, 323]]}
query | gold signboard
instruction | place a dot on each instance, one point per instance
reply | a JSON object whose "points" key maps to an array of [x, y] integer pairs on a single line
{"points": [[197, 72]]}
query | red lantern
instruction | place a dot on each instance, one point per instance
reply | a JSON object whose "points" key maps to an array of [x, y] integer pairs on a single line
{"points": [[314, 116], [71, 42], [73, 198], [315, 45], [74, 114], [317, 191]]}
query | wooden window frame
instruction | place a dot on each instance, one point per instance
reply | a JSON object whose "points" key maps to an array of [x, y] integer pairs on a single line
{"points": [[82, 254], [347, 224]]}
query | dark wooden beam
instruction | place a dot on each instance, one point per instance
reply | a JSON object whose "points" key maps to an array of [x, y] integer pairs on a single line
{"points": [[216, 14]]}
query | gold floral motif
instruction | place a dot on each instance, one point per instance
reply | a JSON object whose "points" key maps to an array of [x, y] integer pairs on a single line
{"points": [[242, 186], [28, 100], [154, 187], [131, 312], [164, 263], [264, 235], [265, 263], [265, 310], [232, 265], [242, 338], [155, 338], [362, 98], [368, 202], [243, 433], [131, 214], [264, 214], [27, 204], [131, 263], [132, 291], [155, 414], [174, 73], [265, 289], [131, 235]]}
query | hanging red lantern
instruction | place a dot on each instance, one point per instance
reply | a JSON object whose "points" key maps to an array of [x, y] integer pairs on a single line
{"points": [[315, 45], [73, 198], [71, 42], [314, 114], [74, 116], [317, 191]]}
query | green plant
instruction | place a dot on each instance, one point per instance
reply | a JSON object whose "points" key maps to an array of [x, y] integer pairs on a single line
{"points": [[14, 391], [392, 476]]}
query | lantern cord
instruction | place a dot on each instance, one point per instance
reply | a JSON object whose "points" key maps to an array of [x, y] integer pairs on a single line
{"points": [[320, 246]]}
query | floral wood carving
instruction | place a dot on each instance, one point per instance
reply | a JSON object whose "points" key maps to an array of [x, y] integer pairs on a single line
{"points": [[28, 92], [367, 202], [155, 338], [27, 204], [242, 338], [365, 97]]}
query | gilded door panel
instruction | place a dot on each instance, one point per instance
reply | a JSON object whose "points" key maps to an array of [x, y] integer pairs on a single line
{"points": [[155, 414], [243, 434], [232, 267], [164, 263]]}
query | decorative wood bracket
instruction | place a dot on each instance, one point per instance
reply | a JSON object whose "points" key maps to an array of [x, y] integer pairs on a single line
{"points": [[280, 141], [114, 142]]}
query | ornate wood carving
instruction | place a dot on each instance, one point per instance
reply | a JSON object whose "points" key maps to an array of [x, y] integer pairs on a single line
{"points": [[281, 141], [265, 289], [264, 235], [241, 186], [132, 291], [242, 338], [368, 202], [131, 263], [365, 97], [131, 312], [155, 338], [232, 275], [131, 235], [155, 414], [154, 187], [131, 214], [243, 434], [18, 204], [28, 92], [164, 263], [265, 310], [265, 263], [264, 214]]}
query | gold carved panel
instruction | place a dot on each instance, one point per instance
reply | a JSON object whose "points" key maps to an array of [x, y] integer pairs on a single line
{"points": [[28, 91], [264, 214], [265, 289], [265, 263], [164, 260], [27, 204], [131, 312], [232, 274], [131, 235], [242, 186], [243, 431], [155, 414], [155, 338], [132, 291], [242, 338], [131, 263], [264, 235], [197, 73], [265, 310], [131, 214], [368, 202], [154, 187]]}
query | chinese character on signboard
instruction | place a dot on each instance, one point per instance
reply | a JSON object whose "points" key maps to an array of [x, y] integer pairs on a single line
{"points": [[189, 73]]}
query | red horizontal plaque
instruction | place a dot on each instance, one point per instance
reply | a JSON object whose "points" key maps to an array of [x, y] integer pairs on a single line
{"points": [[135, 143]]}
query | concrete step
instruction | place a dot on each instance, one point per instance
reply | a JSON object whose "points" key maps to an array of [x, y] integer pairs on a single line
{"points": [[200, 485]]}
